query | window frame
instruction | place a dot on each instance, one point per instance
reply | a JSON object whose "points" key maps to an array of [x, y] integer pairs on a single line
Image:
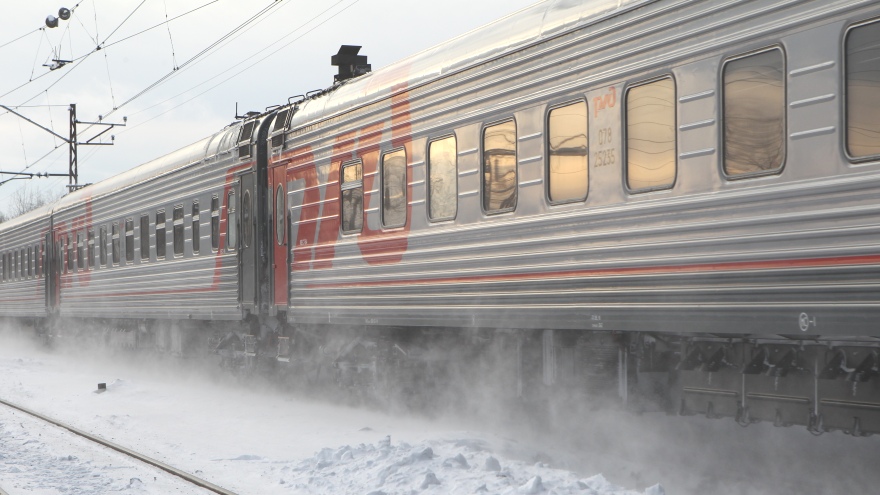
{"points": [[161, 247], [355, 184], [624, 134], [116, 243], [844, 100], [80, 250], [386, 226], [482, 158], [246, 218], [280, 217], [547, 181], [71, 260], [144, 237], [90, 248], [195, 228], [722, 113], [231, 226], [215, 223], [102, 248], [128, 226], [428, 193], [175, 223]]}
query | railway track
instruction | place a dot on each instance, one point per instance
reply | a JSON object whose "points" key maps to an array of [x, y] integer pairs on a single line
{"points": [[195, 480]]}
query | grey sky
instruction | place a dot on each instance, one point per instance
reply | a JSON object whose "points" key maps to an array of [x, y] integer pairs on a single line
{"points": [[190, 104]]}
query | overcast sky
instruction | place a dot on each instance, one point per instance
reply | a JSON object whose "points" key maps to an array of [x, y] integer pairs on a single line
{"points": [[195, 101]]}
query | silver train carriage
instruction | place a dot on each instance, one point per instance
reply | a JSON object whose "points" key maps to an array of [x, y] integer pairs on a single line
{"points": [[666, 195]]}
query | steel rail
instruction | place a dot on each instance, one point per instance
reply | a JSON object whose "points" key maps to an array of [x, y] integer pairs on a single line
{"points": [[153, 462]]}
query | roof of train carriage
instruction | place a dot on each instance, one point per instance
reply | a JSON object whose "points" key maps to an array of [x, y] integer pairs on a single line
{"points": [[513, 32], [218, 142], [508, 34], [39, 213]]}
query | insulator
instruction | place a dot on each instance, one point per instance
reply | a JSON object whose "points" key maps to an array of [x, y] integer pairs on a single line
{"points": [[64, 13], [51, 21]]}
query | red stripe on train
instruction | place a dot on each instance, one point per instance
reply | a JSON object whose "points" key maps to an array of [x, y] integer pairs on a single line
{"points": [[606, 272]]}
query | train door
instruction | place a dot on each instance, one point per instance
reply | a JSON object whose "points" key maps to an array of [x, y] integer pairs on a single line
{"points": [[280, 265], [249, 246]]}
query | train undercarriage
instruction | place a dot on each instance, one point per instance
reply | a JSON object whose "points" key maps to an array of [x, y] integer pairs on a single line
{"points": [[821, 384]]}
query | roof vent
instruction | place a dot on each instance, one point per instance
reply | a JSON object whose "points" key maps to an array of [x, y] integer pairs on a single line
{"points": [[349, 62]]}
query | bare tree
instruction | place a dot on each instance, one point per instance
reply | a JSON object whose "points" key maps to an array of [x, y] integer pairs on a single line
{"points": [[3, 217], [27, 199]]}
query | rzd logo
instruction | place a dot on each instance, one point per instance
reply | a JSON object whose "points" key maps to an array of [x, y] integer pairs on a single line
{"points": [[603, 102]]}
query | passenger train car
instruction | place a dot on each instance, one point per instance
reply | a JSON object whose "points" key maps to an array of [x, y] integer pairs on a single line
{"points": [[676, 197]]}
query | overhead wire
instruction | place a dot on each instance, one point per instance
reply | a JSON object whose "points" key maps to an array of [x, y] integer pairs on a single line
{"points": [[301, 26], [121, 23], [22, 36], [107, 45], [198, 55], [78, 61], [170, 39]]}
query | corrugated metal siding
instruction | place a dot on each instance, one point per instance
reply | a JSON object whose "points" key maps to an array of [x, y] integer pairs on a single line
{"points": [[204, 286], [707, 255], [23, 296]]}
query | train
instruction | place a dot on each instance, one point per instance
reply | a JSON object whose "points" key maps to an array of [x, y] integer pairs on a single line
{"points": [[671, 202]]}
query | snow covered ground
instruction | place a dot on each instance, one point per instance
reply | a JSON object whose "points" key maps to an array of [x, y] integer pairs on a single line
{"points": [[255, 441], [243, 439]]}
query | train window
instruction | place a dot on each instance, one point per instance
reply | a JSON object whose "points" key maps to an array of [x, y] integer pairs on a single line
{"points": [[754, 114], [280, 122], [145, 237], [352, 197], [129, 240], [3, 268], [499, 167], [247, 131], [71, 255], [231, 223], [215, 223], [280, 209], [102, 245], [177, 229], [37, 261], [15, 265], [160, 234], [567, 145], [44, 255], [246, 221], [394, 188], [30, 262], [80, 257], [196, 236], [114, 239], [863, 91], [650, 135], [442, 179], [91, 249]]}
